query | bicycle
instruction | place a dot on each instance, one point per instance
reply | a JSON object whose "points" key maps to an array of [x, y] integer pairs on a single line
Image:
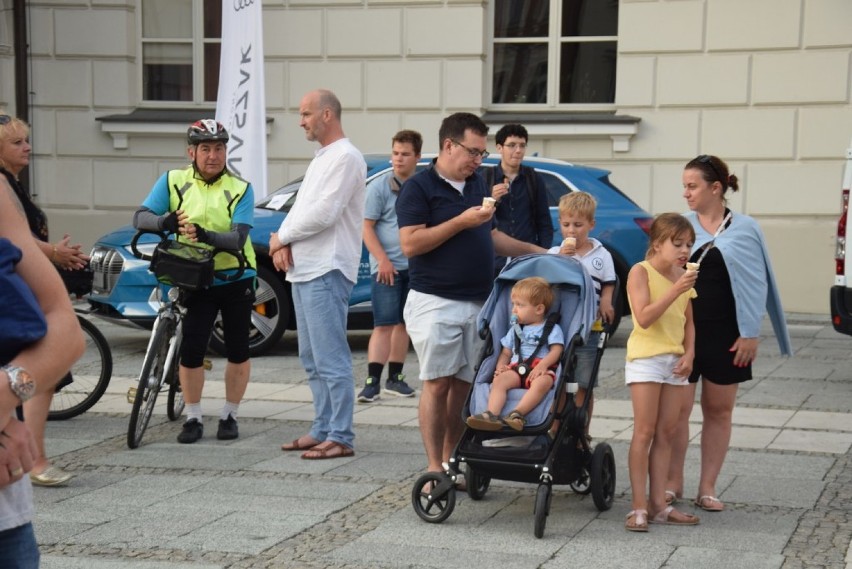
{"points": [[160, 366], [90, 375]]}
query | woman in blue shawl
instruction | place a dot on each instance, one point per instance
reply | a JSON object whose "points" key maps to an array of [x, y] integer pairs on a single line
{"points": [[736, 288]]}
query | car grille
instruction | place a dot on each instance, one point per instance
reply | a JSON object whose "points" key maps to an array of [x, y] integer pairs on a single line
{"points": [[106, 266]]}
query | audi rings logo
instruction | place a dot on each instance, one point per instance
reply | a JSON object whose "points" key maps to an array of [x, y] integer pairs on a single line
{"points": [[240, 4]]}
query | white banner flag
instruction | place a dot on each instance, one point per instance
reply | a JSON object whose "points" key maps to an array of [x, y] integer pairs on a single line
{"points": [[241, 102]]}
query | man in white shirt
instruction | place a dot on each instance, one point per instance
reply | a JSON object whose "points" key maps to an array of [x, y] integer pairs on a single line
{"points": [[319, 247]]}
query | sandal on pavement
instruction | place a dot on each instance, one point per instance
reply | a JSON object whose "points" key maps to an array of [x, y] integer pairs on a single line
{"points": [[328, 449], [668, 516], [710, 504], [637, 520], [672, 497], [298, 445], [51, 476], [485, 421]]}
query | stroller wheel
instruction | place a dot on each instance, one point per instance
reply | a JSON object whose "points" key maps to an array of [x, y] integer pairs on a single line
{"points": [[582, 485], [542, 508], [434, 497], [603, 477], [477, 484]]}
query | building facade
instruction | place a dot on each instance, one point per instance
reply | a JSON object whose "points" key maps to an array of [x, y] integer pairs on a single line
{"points": [[637, 87]]}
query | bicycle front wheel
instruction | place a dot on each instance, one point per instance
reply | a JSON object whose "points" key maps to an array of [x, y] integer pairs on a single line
{"points": [[175, 403], [89, 377], [150, 381]]}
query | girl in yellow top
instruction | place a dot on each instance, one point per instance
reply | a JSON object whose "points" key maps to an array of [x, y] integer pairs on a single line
{"points": [[659, 359]]}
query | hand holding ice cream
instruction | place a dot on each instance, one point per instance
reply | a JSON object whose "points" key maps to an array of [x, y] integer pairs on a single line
{"points": [[569, 246], [688, 278], [500, 190]]}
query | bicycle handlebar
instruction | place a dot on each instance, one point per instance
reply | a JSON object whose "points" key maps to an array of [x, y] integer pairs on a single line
{"points": [[164, 236], [139, 233]]}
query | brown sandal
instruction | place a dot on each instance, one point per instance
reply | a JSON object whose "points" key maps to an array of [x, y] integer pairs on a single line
{"points": [[330, 449], [297, 445]]}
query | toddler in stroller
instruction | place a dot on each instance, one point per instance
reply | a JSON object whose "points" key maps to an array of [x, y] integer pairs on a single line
{"points": [[524, 451], [531, 351]]}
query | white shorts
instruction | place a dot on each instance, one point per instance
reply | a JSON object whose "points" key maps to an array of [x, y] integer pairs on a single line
{"points": [[656, 369], [444, 334]]}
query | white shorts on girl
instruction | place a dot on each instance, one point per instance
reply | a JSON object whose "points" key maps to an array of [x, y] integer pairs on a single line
{"points": [[656, 369]]}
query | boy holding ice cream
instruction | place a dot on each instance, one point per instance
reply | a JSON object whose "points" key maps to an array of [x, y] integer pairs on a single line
{"points": [[576, 220]]}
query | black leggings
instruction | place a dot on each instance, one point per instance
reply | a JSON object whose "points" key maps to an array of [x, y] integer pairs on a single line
{"points": [[235, 301]]}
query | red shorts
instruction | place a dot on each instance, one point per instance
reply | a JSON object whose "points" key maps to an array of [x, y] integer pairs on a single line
{"points": [[525, 382]]}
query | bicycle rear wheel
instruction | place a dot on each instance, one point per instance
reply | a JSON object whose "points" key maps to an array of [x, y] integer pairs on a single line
{"points": [[91, 374], [150, 381]]}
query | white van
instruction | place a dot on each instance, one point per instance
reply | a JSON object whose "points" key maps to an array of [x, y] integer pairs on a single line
{"points": [[841, 292]]}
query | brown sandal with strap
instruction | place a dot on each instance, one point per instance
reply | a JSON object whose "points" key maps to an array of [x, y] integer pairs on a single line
{"points": [[297, 445], [328, 449]]}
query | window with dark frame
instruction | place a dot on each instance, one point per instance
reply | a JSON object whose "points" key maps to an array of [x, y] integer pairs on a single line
{"points": [[554, 53], [179, 64]]}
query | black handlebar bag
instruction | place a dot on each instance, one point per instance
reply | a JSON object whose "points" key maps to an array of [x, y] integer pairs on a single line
{"points": [[183, 265]]}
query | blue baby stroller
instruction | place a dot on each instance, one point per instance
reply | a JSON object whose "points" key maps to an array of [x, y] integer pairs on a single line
{"points": [[532, 455]]}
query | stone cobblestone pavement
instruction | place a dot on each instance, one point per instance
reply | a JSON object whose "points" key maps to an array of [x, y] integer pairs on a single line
{"points": [[787, 482]]}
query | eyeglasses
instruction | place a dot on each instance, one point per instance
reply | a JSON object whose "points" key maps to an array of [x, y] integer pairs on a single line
{"points": [[514, 145], [5, 119], [706, 159], [472, 152]]}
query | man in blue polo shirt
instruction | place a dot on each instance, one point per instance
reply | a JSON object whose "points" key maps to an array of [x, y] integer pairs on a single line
{"points": [[450, 240]]}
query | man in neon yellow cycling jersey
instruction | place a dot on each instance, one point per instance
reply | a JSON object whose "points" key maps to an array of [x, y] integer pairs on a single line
{"points": [[205, 203]]}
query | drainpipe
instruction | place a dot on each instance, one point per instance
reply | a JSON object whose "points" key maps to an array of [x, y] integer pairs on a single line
{"points": [[22, 78]]}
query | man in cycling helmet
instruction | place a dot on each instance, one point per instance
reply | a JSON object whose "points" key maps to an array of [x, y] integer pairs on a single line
{"points": [[207, 205]]}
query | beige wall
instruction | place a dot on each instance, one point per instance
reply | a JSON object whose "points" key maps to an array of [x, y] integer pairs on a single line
{"points": [[764, 84]]}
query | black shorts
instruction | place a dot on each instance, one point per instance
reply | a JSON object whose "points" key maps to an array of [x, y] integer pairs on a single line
{"points": [[235, 301], [714, 360]]}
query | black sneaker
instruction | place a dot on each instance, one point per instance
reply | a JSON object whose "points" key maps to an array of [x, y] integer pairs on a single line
{"points": [[227, 429], [192, 432], [397, 386], [372, 388]]}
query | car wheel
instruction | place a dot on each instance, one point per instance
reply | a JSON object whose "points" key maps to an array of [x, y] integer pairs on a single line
{"points": [[268, 319]]}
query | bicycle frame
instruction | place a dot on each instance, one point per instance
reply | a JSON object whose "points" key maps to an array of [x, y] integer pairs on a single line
{"points": [[159, 366]]}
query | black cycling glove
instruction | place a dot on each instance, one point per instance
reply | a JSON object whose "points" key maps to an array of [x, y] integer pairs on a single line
{"points": [[201, 234], [170, 222]]}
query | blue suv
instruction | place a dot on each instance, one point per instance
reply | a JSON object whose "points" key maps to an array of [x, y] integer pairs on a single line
{"points": [[124, 288]]}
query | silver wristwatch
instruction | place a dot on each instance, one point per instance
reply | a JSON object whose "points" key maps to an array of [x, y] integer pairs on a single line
{"points": [[21, 382]]}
